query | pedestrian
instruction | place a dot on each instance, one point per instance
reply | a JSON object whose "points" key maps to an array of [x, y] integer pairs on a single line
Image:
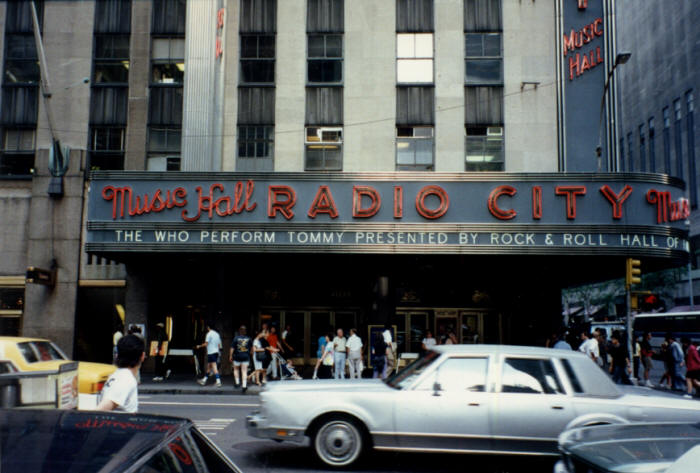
{"points": [[288, 342], [274, 347], [620, 368], [354, 347], [161, 353], [120, 392], [647, 353], [692, 363], [390, 355], [322, 340], [666, 380], [239, 355], [451, 338], [602, 337], [677, 357], [560, 342], [119, 333], [636, 359], [379, 351], [589, 346], [428, 342], [259, 354], [212, 342], [328, 359], [340, 351]]}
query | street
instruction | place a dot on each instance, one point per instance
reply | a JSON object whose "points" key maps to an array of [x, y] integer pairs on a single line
{"points": [[222, 419]]}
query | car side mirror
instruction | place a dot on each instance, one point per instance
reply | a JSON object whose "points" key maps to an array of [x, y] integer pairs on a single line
{"points": [[436, 388]]}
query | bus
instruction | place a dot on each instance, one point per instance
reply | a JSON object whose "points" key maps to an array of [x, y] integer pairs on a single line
{"points": [[680, 324]]}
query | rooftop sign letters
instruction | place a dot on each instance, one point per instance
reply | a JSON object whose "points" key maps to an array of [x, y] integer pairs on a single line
{"points": [[448, 213]]}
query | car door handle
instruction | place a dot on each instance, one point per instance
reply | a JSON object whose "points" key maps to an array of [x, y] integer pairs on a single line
{"points": [[473, 404], [559, 408]]}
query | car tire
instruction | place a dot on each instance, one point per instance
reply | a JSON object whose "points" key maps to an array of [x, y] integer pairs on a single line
{"points": [[338, 441]]}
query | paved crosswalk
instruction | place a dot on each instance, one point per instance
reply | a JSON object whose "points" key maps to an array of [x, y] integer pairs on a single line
{"points": [[213, 426]]}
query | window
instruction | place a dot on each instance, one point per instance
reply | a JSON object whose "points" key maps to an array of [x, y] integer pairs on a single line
{"points": [[484, 149], [111, 59], [690, 136], [482, 15], [257, 59], [18, 140], [526, 375], [667, 140], [255, 141], [483, 63], [165, 106], [17, 158], [21, 63], [414, 148], [642, 150], [652, 146], [414, 58], [107, 139], [168, 61], [325, 58], [458, 375], [414, 16], [113, 16], [168, 17], [324, 148], [19, 16], [630, 154], [677, 138]]}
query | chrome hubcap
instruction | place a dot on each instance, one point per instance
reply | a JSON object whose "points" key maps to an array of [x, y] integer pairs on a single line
{"points": [[338, 442]]}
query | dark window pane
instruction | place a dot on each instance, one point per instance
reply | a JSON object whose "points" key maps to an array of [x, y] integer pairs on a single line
{"points": [[111, 73], [113, 16], [112, 47], [492, 45], [325, 71], [482, 15], [474, 45], [19, 105], [266, 46], [317, 46], [21, 72], [324, 16], [484, 71], [249, 46], [168, 17], [173, 164], [20, 47], [106, 161], [257, 71], [19, 16], [334, 46], [16, 164], [165, 106], [414, 16], [108, 105], [258, 16]]}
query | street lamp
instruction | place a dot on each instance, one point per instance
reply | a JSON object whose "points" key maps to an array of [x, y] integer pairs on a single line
{"points": [[620, 59]]}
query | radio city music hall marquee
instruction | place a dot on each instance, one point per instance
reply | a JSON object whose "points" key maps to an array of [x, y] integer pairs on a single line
{"points": [[422, 213]]}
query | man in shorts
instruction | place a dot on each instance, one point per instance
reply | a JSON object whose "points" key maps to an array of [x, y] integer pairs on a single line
{"points": [[239, 355], [120, 392], [212, 342]]}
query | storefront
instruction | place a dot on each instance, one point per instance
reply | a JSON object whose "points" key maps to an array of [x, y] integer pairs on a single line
{"points": [[481, 256]]}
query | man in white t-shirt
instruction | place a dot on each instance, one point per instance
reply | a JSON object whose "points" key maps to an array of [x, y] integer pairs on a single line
{"points": [[354, 346], [120, 392], [390, 356], [212, 342], [589, 346], [340, 352]]}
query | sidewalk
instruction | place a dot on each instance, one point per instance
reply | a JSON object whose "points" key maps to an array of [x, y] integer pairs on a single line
{"points": [[187, 384]]}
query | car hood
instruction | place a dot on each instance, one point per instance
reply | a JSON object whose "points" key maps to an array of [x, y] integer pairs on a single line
{"points": [[647, 397], [326, 385]]}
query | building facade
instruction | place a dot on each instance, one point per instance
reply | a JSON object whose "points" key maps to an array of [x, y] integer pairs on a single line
{"points": [[658, 88], [307, 163]]}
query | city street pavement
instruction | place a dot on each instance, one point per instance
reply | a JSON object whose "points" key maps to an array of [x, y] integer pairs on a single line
{"points": [[222, 419], [187, 384]]}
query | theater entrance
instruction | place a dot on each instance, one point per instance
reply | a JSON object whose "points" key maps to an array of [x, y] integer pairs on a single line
{"points": [[306, 326]]}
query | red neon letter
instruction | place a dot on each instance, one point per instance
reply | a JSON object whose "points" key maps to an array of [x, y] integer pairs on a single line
{"points": [[398, 202], [323, 203], [662, 200], [537, 202], [615, 199], [274, 204], [358, 192], [495, 210], [440, 193], [570, 192]]}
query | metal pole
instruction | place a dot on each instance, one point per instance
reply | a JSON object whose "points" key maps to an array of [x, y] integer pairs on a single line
{"points": [[629, 334]]}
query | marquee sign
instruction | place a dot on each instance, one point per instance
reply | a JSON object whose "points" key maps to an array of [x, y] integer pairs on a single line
{"points": [[389, 213]]}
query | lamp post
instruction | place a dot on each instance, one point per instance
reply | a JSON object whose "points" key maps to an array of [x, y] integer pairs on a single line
{"points": [[621, 58]]}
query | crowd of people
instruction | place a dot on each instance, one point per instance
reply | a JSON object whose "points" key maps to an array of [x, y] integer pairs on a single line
{"points": [[613, 356]]}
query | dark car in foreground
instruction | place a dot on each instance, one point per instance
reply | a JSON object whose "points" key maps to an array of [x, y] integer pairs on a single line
{"points": [[631, 448], [33, 440]]}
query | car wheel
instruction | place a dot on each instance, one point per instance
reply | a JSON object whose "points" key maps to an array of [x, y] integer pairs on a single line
{"points": [[338, 441]]}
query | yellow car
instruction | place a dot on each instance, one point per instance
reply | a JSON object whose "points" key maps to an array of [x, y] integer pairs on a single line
{"points": [[36, 354]]}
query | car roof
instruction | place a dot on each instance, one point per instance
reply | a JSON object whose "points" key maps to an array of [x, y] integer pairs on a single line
{"points": [[66, 440], [504, 349]]}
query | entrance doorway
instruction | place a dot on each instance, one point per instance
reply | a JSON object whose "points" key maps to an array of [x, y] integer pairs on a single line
{"points": [[306, 326]]}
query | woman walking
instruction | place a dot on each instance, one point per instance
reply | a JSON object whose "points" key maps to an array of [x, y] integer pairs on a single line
{"points": [[258, 358], [322, 342]]}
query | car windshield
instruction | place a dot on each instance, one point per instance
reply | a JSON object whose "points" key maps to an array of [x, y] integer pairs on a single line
{"points": [[406, 376], [34, 352]]}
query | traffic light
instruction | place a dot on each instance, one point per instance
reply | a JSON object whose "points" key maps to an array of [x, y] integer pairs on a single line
{"points": [[634, 272]]}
